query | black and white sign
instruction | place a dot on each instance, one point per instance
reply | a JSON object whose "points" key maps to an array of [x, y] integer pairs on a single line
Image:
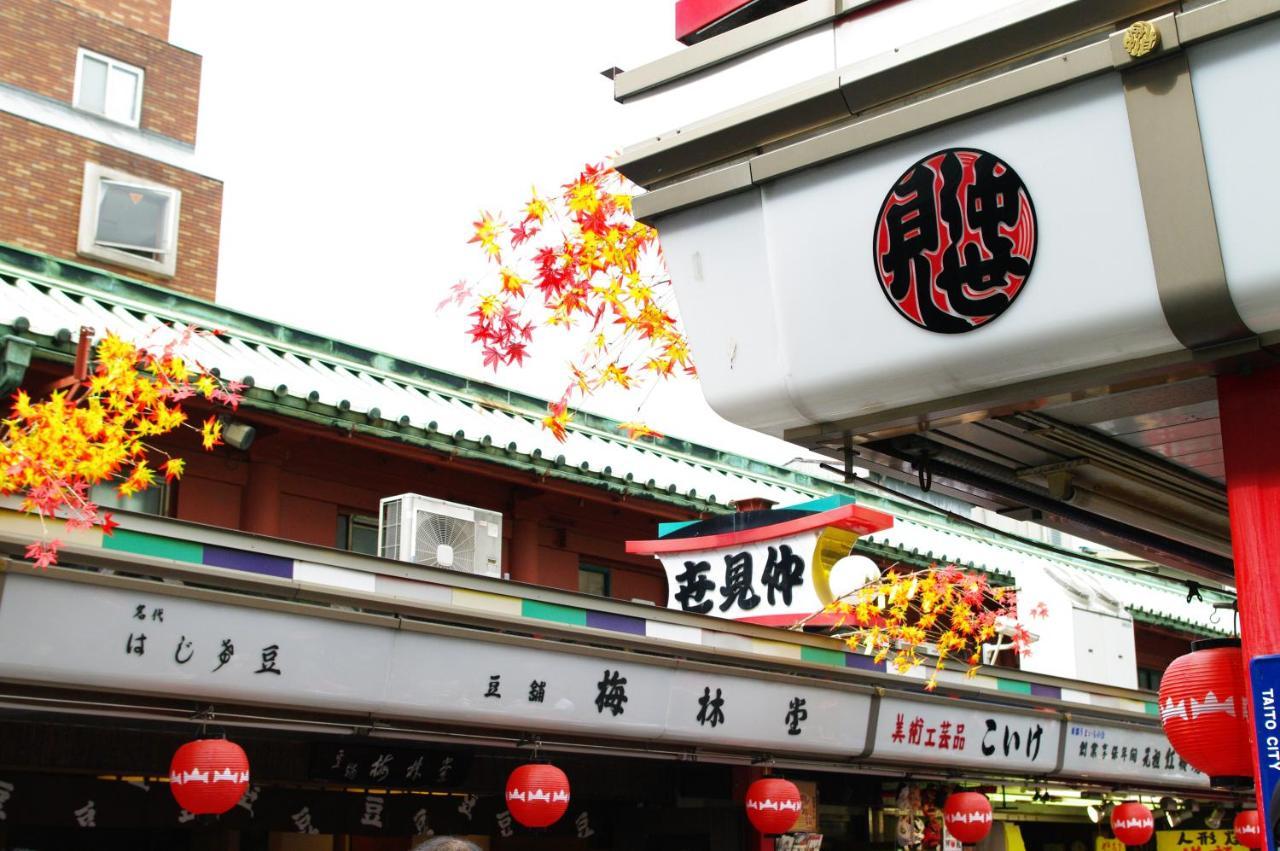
{"points": [[115, 639], [747, 581], [217, 651], [942, 733]]}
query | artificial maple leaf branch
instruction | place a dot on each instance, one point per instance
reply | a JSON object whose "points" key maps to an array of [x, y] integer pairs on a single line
{"points": [[52, 451], [576, 259], [903, 617]]}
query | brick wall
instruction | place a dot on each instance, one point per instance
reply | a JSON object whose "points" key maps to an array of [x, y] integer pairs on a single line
{"points": [[148, 16], [38, 44], [41, 178]]}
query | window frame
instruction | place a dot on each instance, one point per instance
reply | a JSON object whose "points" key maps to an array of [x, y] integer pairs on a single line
{"points": [[164, 494], [90, 200], [347, 520], [83, 53], [599, 570]]}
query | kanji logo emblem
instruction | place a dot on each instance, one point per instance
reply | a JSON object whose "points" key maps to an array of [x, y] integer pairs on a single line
{"points": [[955, 240]]}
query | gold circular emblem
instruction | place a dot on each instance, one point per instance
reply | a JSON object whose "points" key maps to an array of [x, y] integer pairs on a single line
{"points": [[1141, 38]]}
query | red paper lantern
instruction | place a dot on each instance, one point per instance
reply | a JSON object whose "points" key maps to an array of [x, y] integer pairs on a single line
{"points": [[1203, 706], [773, 805], [1248, 829], [1132, 823], [537, 794], [967, 816], [209, 776]]}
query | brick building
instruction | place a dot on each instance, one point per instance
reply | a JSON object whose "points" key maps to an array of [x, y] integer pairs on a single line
{"points": [[98, 115]]}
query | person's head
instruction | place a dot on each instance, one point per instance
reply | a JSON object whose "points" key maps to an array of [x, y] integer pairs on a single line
{"points": [[445, 843]]}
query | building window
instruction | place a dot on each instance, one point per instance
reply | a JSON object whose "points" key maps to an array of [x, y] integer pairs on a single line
{"points": [[153, 500], [358, 533], [1149, 678], [129, 221], [593, 580], [108, 87]]}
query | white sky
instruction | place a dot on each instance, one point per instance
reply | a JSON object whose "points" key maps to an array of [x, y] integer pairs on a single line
{"points": [[357, 143]]}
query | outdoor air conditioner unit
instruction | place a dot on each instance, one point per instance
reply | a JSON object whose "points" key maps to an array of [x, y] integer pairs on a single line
{"points": [[424, 530]]}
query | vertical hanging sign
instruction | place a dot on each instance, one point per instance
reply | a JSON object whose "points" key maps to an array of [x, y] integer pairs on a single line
{"points": [[1264, 681]]}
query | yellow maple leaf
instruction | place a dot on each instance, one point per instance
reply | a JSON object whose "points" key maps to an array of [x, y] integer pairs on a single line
{"points": [[211, 432], [636, 430], [557, 420]]}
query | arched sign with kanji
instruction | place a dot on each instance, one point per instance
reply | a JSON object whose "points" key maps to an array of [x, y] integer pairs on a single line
{"points": [[955, 240], [767, 567]]}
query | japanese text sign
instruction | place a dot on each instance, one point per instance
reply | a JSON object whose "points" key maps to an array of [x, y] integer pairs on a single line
{"points": [[747, 581], [942, 733], [1125, 752], [1264, 682], [287, 658], [1197, 839]]}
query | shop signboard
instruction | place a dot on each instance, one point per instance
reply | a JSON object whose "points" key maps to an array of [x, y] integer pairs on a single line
{"points": [[753, 581], [808, 820], [966, 254], [163, 642], [952, 249], [392, 767], [1197, 839], [143, 641], [945, 733], [769, 567], [1126, 753], [1264, 681]]}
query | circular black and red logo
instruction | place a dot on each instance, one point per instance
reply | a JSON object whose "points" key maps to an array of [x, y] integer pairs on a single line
{"points": [[955, 240]]}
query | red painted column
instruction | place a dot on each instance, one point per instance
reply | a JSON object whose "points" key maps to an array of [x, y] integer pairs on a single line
{"points": [[260, 506], [524, 551], [1249, 408]]}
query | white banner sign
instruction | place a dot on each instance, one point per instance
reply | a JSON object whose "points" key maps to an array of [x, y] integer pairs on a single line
{"points": [[747, 581], [71, 633], [62, 632], [994, 739], [1120, 752]]}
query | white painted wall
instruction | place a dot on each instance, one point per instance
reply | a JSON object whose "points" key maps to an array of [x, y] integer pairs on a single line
{"points": [[1087, 636]]}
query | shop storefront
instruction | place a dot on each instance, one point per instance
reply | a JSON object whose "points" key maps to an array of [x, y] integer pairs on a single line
{"points": [[370, 718]]}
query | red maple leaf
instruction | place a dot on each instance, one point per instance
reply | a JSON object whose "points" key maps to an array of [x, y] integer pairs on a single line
{"points": [[109, 524], [523, 233], [492, 357], [516, 353], [44, 554]]}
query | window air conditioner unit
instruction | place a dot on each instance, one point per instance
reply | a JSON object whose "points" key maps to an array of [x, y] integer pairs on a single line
{"points": [[424, 530]]}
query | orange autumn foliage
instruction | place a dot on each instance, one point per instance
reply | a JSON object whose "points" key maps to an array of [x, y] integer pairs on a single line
{"points": [[53, 450], [577, 259], [940, 612]]}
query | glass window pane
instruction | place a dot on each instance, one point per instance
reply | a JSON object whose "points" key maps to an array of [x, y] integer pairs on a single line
{"points": [[593, 581], [364, 536], [132, 217], [93, 85], [122, 94], [107, 496]]}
